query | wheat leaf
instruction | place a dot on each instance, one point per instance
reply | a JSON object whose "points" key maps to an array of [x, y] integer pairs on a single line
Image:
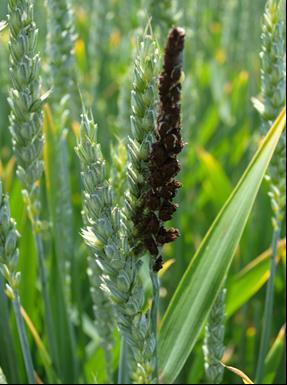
{"points": [[195, 295]]}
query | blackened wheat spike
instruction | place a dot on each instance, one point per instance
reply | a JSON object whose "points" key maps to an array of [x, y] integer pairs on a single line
{"points": [[164, 163], [157, 206]]}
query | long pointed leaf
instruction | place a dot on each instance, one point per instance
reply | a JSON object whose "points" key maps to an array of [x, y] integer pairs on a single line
{"points": [[202, 281]]}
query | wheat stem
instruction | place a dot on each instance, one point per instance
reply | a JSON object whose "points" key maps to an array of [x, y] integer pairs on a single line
{"points": [[124, 370], [154, 311], [47, 306]]}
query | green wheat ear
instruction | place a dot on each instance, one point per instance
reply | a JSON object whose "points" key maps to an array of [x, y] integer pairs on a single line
{"points": [[61, 40], [26, 120], [273, 77], [26, 103], [144, 100], [103, 310], [119, 170], [104, 233]]}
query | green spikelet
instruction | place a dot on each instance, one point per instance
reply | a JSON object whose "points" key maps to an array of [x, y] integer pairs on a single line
{"points": [[104, 315], [118, 268], [213, 347], [119, 170], [102, 306], [124, 105]]}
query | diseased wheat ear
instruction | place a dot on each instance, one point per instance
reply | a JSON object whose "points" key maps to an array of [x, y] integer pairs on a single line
{"points": [[152, 173], [144, 102]]}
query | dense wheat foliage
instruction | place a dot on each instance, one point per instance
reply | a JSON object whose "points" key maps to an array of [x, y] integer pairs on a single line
{"points": [[142, 191]]}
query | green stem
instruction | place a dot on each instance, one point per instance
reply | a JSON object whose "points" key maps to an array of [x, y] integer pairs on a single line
{"points": [[45, 292], [268, 311], [154, 313], [123, 376], [23, 340]]}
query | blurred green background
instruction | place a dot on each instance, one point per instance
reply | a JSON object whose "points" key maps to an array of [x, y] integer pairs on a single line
{"points": [[221, 131]]}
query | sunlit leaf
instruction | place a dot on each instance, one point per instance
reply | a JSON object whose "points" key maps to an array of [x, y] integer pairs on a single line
{"points": [[217, 182], [195, 295]]}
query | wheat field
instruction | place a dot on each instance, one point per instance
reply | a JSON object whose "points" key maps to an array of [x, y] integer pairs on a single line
{"points": [[142, 191]]}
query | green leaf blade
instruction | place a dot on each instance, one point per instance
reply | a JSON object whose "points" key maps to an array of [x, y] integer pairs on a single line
{"points": [[274, 357], [244, 285], [202, 281]]}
